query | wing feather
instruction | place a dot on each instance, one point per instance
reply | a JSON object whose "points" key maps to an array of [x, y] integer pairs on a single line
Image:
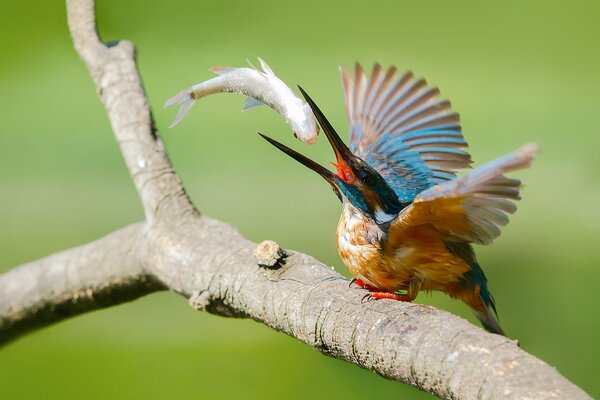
{"points": [[401, 126], [471, 208]]}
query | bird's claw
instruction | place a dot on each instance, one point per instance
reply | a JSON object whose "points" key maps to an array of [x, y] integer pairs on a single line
{"points": [[366, 297]]}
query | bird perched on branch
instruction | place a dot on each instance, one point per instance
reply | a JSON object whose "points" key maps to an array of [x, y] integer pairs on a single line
{"points": [[408, 221]]}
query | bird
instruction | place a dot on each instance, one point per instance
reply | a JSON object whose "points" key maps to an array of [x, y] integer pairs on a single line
{"points": [[409, 221]]}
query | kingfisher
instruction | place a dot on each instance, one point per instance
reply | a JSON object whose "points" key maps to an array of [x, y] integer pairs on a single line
{"points": [[408, 221]]}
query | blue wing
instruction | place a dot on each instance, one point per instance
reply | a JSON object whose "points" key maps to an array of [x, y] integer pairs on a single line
{"points": [[471, 208], [401, 127]]}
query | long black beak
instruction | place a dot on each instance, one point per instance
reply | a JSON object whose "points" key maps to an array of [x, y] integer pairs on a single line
{"points": [[343, 154], [324, 172]]}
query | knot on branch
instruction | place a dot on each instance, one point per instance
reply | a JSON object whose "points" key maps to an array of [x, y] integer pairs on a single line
{"points": [[268, 254], [203, 300]]}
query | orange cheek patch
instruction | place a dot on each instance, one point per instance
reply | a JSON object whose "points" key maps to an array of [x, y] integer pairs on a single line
{"points": [[371, 198]]}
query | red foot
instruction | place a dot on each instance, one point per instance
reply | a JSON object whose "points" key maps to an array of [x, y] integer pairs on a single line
{"points": [[392, 296], [376, 293], [358, 282], [363, 285]]}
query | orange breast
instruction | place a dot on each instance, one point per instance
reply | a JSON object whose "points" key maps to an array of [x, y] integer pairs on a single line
{"points": [[429, 260], [358, 242], [415, 253]]}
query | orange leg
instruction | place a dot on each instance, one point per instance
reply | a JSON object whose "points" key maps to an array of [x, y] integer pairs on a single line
{"points": [[359, 282], [392, 296], [377, 293]]}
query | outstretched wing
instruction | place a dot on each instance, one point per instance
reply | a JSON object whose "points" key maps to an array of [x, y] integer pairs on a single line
{"points": [[400, 126], [471, 208]]}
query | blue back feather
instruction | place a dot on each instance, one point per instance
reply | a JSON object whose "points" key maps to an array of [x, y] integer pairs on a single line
{"points": [[401, 127]]}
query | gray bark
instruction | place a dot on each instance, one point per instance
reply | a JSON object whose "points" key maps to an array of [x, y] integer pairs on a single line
{"points": [[96, 275], [211, 264]]}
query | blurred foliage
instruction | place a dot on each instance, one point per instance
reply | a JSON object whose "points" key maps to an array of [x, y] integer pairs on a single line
{"points": [[517, 71]]}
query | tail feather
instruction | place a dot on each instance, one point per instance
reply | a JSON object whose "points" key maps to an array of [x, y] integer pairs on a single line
{"points": [[474, 289], [486, 308], [488, 321], [186, 100]]}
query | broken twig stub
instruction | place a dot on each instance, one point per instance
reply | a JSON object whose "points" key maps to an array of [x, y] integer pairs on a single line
{"points": [[268, 254]]}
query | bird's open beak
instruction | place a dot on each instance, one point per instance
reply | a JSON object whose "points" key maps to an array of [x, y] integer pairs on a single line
{"points": [[324, 172], [344, 156]]}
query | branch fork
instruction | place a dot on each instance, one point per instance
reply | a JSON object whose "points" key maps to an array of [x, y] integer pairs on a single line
{"points": [[219, 271]]}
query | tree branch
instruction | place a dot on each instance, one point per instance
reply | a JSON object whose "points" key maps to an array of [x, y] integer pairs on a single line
{"points": [[96, 275], [420, 345], [210, 263], [119, 86]]}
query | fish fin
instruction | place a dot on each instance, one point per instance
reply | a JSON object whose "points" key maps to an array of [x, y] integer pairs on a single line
{"points": [[179, 98], [222, 70], [251, 102], [251, 65], [265, 67], [186, 103]]}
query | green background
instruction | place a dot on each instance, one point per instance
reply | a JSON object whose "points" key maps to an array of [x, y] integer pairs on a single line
{"points": [[517, 71]]}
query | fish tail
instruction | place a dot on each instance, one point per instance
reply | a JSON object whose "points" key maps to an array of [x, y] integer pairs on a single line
{"points": [[186, 99]]}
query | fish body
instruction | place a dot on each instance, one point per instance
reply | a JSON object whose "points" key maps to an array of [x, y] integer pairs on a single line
{"points": [[408, 221], [261, 87]]}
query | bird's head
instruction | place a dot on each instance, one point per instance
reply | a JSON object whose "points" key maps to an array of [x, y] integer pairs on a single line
{"points": [[354, 180]]}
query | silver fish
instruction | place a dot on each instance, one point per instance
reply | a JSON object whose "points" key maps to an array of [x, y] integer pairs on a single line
{"points": [[261, 87]]}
